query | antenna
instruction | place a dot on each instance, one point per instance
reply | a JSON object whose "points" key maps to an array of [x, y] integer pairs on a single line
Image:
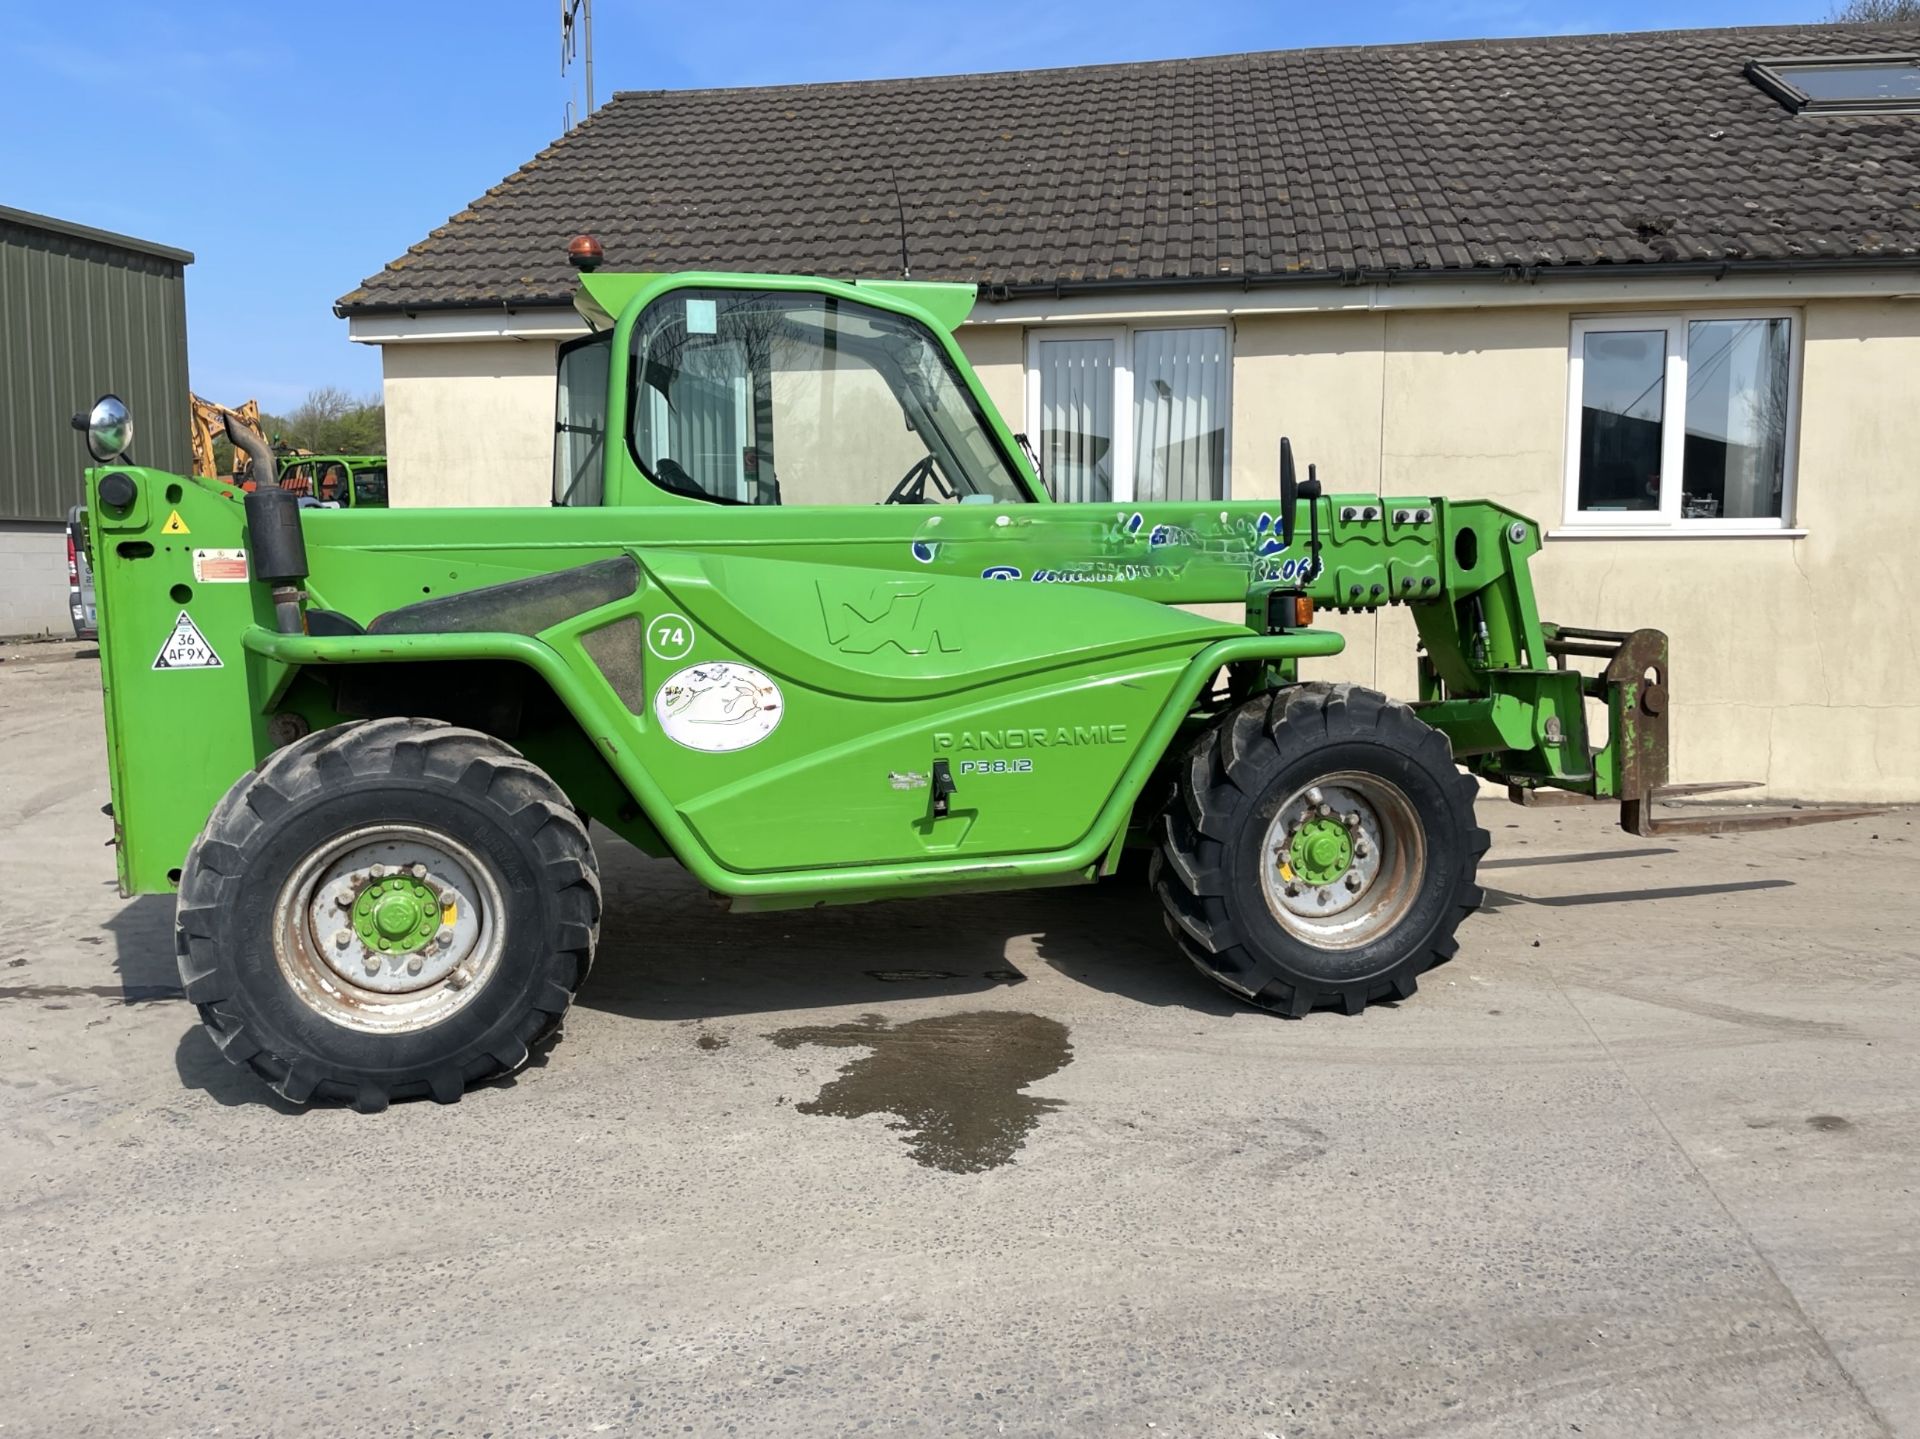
{"points": [[576, 34], [900, 208]]}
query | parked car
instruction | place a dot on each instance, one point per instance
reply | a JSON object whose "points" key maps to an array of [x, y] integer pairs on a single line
{"points": [[86, 623]]}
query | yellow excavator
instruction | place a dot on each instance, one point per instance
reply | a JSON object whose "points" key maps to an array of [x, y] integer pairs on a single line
{"points": [[211, 422]]}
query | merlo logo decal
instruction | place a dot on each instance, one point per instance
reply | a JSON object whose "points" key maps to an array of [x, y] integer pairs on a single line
{"points": [[863, 619]]}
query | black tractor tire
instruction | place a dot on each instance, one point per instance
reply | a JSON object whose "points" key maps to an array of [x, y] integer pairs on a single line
{"points": [[251, 955], [1225, 912]]}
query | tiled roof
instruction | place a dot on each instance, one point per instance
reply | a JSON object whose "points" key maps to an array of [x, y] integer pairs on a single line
{"points": [[1593, 150]]}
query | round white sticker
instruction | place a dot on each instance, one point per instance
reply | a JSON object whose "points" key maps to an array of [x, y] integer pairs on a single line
{"points": [[718, 706]]}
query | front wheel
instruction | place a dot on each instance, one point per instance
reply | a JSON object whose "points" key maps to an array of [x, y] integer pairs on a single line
{"points": [[1323, 851], [387, 910]]}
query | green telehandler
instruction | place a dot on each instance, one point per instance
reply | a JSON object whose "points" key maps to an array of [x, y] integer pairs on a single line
{"points": [[802, 617]]}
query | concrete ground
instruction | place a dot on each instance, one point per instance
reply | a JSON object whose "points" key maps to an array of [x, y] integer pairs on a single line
{"points": [[1642, 1160]]}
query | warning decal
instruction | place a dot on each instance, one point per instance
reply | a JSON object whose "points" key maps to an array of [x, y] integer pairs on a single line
{"points": [[186, 648], [217, 567], [175, 525]]}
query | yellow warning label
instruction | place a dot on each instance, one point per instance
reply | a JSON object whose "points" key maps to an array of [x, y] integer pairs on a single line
{"points": [[450, 914], [175, 525]]}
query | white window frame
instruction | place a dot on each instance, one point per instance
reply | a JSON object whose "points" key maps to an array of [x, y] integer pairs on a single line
{"points": [[1667, 519], [1123, 418]]}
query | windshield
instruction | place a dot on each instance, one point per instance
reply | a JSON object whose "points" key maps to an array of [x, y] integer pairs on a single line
{"points": [[776, 398]]}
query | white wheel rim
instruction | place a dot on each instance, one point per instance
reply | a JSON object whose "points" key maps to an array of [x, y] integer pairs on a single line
{"points": [[1382, 875], [327, 961]]}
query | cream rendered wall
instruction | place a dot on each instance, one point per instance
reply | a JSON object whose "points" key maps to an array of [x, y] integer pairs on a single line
{"points": [[998, 354], [840, 436], [470, 422]]}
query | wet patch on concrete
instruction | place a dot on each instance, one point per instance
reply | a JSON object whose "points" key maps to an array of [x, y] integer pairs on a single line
{"points": [[1832, 1123], [712, 1042], [953, 1082]]}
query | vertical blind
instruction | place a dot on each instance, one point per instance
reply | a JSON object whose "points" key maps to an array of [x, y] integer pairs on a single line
{"points": [[703, 427], [1179, 414], [1147, 422], [1076, 418]]}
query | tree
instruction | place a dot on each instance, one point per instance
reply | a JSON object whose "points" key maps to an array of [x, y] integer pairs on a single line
{"points": [[331, 421], [1874, 12]]}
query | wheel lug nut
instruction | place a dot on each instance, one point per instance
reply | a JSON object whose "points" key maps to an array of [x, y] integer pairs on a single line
{"points": [[1314, 796], [419, 871], [1353, 880], [459, 979], [344, 900], [376, 870], [1293, 890], [373, 964], [1360, 851], [1325, 810], [414, 965], [1352, 818], [1324, 895], [342, 938]]}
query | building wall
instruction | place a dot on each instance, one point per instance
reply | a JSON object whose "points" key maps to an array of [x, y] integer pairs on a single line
{"points": [[470, 423], [1796, 661], [82, 313], [33, 579]]}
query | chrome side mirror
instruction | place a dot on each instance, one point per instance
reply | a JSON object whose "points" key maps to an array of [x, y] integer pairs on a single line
{"points": [[109, 428]]}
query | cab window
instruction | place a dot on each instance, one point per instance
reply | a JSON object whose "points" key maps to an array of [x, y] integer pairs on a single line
{"points": [[580, 421], [776, 398]]}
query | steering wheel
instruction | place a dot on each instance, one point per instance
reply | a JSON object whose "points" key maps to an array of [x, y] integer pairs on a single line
{"points": [[912, 489]]}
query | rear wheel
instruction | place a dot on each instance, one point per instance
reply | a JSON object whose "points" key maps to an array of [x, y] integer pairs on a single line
{"points": [[1323, 851], [387, 910]]}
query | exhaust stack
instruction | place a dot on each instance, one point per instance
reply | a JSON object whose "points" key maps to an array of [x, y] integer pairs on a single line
{"points": [[275, 543]]}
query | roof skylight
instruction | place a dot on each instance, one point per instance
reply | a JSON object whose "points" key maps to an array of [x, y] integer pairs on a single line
{"points": [[1839, 84]]}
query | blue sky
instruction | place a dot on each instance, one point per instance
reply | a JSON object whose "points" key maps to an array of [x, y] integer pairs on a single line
{"points": [[295, 148]]}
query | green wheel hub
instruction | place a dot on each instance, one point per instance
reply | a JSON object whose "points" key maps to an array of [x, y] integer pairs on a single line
{"points": [[1321, 851], [396, 915]]}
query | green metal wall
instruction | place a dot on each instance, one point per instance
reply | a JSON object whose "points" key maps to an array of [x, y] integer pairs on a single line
{"points": [[84, 312]]}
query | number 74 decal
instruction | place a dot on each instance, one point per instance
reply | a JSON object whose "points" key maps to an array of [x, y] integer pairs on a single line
{"points": [[670, 636]]}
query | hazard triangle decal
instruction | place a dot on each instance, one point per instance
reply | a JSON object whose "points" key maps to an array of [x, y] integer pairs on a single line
{"points": [[186, 648]]}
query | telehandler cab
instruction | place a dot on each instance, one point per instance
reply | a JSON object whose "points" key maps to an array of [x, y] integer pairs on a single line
{"points": [[802, 617]]}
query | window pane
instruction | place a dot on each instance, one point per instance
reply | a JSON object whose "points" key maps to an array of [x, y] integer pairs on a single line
{"points": [[788, 398], [1076, 418], [1622, 409], [1891, 82], [1180, 415], [1736, 419], [580, 423]]}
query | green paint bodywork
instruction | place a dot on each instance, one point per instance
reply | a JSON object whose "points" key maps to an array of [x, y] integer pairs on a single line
{"points": [[396, 915], [1321, 851], [1053, 698]]}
